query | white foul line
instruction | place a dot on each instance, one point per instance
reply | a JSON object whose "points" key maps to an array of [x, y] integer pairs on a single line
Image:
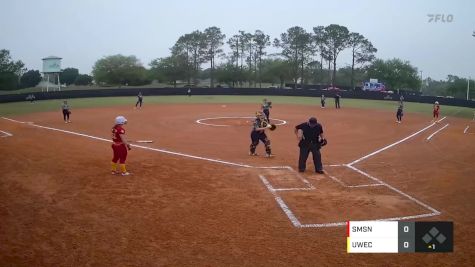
{"points": [[281, 203], [5, 134], [350, 186], [139, 146], [466, 129], [393, 144], [430, 136], [28, 122]]}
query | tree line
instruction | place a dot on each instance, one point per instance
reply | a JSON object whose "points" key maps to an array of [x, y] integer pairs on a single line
{"points": [[301, 58]]}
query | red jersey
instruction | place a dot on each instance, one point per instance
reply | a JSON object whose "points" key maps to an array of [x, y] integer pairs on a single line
{"points": [[117, 130], [436, 108]]}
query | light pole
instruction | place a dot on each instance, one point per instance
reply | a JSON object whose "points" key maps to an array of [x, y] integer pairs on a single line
{"points": [[468, 88], [422, 82]]}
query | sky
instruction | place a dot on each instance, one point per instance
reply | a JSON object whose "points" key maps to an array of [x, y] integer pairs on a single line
{"points": [[83, 31]]}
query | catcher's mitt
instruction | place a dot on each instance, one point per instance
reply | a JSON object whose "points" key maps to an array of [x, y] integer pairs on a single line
{"points": [[272, 127], [323, 142]]}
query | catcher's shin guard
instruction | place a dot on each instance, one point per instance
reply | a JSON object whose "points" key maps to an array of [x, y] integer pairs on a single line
{"points": [[267, 144], [252, 148]]}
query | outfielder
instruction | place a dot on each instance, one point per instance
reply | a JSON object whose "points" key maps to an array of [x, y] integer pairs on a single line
{"points": [[66, 111], [119, 146], [139, 100], [258, 134]]}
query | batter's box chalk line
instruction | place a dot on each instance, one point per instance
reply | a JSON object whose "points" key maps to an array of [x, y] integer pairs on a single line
{"points": [[5, 134], [271, 189], [200, 121], [340, 182]]}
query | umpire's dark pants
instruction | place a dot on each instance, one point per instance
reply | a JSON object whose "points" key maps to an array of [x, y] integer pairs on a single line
{"points": [[305, 149]]}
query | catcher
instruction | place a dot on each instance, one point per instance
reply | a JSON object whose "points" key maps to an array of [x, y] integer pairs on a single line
{"points": [[311, 139], [266, 106], [66, 111], [258, 134], [119, 146]]}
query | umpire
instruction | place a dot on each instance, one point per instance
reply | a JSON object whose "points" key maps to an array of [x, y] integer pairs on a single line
{"points": [[311, 139]]}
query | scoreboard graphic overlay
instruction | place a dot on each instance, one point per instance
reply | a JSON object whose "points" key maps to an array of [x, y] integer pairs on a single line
{"points": [[399, 237]]}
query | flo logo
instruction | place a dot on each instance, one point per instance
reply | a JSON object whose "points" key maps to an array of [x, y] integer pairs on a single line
{"points": [[444, 18]]}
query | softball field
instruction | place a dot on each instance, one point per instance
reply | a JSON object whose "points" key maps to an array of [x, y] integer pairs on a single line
{"points": [[195, 197]]}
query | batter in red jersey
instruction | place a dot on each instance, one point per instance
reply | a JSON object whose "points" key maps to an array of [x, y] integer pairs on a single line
{"points": [[436, 111], [119, 146]]}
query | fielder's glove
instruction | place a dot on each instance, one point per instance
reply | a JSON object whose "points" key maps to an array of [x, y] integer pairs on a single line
{"points": [[323, 142], [272, 127], [128, 147]]}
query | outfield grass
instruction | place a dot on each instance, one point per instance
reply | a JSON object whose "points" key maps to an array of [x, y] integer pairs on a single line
{"points": [[17, 108]]}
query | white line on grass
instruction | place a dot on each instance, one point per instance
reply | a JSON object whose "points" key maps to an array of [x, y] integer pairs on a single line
{"points": [[430, 136], [281, 203]]}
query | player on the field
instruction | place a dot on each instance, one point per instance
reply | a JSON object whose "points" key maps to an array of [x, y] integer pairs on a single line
{"points": [[399, 112], [436, 111], [337, 100], [66, 111], [266, 105], [119, 146], [258, 134], [139, 100], [322, 101]]}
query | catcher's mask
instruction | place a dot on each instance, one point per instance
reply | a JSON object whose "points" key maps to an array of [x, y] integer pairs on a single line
{"points": [[259, 114]]}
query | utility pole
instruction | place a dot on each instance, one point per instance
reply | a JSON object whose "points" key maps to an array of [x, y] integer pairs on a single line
{"points": [[468, 88], [422, 82]]}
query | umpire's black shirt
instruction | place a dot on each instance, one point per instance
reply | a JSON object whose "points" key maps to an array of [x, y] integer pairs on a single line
{"points": [[310, 134]]}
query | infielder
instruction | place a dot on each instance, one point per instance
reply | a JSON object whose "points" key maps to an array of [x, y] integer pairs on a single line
{"points": [[266, 106], [119, 146], [399, 112]]}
